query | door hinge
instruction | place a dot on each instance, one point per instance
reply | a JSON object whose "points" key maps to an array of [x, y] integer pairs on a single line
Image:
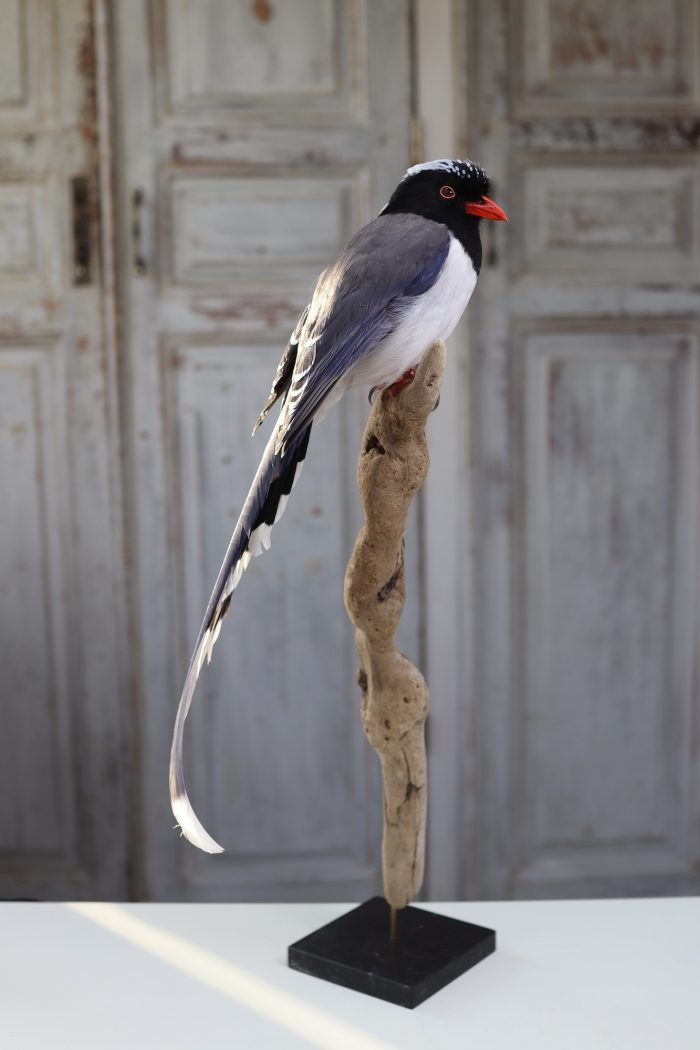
{"points": [[416, 140], [82, 236], [138, 258]]}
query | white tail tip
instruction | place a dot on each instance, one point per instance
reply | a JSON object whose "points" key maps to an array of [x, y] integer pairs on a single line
{"points": [[190, 826]]}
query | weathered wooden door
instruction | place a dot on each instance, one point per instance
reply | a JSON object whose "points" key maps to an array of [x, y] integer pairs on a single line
{"points": [[255, 137], [584, 444], [62, 797]]}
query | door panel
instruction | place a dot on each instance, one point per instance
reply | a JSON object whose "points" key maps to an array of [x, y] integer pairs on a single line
{"points": [[229, 226], [585, 445], [280, 63], [284, 799], [62, 814], [260, 141], [606, 469], [589, 223], [37, 811], [595, 57]]}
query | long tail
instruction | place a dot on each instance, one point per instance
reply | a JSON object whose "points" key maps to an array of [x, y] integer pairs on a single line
{"points": [[264, 506]]}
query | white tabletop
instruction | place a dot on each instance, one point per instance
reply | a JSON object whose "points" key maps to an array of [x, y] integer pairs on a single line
{"points": [[567, 975]]}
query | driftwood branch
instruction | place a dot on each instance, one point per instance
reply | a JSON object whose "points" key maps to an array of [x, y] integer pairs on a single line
{"points": [[392, 466]]}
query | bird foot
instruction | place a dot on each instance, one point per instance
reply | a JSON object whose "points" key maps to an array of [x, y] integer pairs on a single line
{"points": [[401, 384]]}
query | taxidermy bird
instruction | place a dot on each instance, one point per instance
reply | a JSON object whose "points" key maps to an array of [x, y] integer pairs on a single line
{"points": [[401, 283]]}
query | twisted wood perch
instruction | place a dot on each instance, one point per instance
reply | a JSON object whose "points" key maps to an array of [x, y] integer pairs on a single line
{"points": [[392, 467]]}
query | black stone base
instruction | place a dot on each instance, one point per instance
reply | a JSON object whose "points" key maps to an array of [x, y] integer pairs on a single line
{"points": [[355, 951]]}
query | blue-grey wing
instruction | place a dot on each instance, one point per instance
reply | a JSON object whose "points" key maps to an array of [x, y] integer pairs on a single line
{"points": [[356, 303], [285, 370]]}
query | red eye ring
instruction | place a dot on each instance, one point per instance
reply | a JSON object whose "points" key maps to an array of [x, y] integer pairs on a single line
{"points": [[447, 193]]}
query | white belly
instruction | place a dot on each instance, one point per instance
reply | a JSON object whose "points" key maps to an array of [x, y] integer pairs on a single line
{"points": [[430, 316]]}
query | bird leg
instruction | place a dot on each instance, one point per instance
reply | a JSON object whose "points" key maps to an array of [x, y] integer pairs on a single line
{"points": [[401, 384], [395, 388]]}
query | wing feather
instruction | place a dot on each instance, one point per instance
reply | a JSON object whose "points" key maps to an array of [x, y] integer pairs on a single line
{"points": [[357, 301], [285, 370]]}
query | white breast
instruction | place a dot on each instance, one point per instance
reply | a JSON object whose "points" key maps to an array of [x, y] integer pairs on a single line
{"points": [[430, 316]]}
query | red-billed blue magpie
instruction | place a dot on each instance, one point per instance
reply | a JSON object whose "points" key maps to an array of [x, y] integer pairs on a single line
{"points": [[401, 283]]}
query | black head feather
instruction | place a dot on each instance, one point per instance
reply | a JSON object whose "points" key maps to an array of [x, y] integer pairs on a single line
{"points": [[419, 193]]}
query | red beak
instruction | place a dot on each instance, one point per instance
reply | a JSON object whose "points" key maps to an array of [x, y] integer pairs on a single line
{"points": [[487, 209]]}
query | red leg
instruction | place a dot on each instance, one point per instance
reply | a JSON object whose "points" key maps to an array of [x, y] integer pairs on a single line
{"points": [[400, 384]]}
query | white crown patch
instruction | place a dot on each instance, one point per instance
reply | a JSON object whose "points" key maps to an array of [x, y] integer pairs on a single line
{"points": [[460, 168]]}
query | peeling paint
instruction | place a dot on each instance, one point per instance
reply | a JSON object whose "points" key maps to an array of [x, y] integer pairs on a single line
{"points": [[87, 69], [671, 134], [262, 10], [18, 431], [611, 39], [272, 313]]}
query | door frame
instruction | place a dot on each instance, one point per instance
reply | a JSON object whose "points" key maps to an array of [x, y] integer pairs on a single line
{"points": [[441, 98], [440, 101]]}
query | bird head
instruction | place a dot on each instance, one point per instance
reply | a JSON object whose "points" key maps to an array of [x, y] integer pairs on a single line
{"points": [[445, 190], [453, 192]]}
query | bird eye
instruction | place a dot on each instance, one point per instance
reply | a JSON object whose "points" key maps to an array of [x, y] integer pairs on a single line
{"points": [[447, 193]]}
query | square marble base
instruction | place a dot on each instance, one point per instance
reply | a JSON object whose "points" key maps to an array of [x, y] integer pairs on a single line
{"points": [[356, 951]]}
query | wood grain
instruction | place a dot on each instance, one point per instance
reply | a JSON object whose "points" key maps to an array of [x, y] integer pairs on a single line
{"points": [[392, 467]]}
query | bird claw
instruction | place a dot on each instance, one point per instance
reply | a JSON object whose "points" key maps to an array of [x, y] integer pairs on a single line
{"points": [[391, 391], [400, 384]]}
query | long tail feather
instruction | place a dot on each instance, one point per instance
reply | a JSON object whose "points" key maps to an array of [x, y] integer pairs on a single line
{"points": [[264, 506]]}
